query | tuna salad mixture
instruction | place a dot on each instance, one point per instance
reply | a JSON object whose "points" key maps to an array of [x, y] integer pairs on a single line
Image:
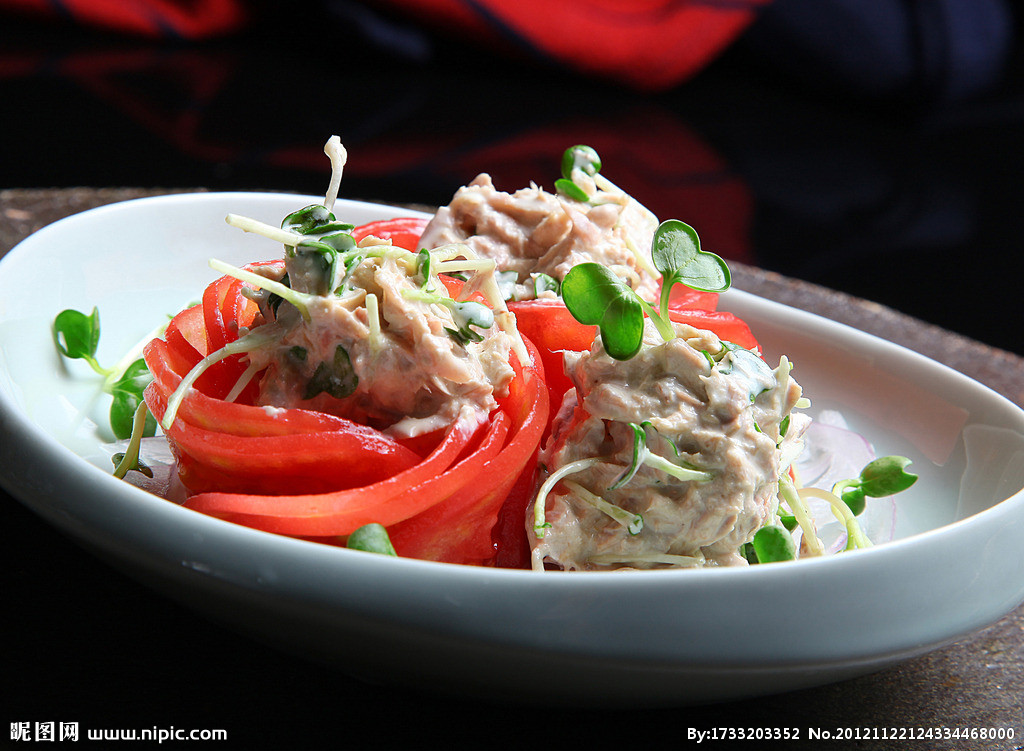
{"points": [[388, 348], [370, 331], [534, 235], [670, 458]]}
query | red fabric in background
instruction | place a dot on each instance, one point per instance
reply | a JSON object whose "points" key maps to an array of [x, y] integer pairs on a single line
{"points": [[645, 44], [183, 19]]}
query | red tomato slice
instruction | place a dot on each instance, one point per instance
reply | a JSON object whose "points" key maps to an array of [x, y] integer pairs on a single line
{"points": [[404, 231], [724, 324], [683, 297], [461, 529], [341, 512], [550, 325]]}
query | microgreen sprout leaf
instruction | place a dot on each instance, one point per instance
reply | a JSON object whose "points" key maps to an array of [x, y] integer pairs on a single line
{"points": [[372, 538], [312, 219], [423, 267], [342, 242], [572, 190], [886, 476], [545, 283], [464, 315], [475, 313], [747, 366], [506, 281], [127, 394], [597, 297], [774, 543], [677, 255], [337, 377], [352, 261], [580, 157], [575, 159], [881, 477], [77, 336]]}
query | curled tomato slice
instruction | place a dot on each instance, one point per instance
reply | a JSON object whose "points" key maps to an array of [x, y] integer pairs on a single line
{"points": [[403, 231], [313, 475]]}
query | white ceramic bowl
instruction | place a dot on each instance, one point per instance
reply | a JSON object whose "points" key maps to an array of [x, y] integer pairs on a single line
{"points": [[642, 637]]}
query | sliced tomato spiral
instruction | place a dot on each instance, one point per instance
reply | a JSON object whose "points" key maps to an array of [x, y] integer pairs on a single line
{"points": [[308, 474]]}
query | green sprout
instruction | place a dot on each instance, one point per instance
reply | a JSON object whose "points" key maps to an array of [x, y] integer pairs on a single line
{"points": [[598, 297], [371, 538], [881, 477], [581, 158], [643, 455], [77, 337]]}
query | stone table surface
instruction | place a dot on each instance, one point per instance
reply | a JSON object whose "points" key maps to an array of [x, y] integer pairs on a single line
{"points": [[976, 682]]}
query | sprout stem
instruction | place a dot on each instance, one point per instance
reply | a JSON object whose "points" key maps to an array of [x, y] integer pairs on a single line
{"points": [[299, 299], [253, 340], [539, 525], [130, 459], [373, 322], [633, 523], [246, 224], [855, 535], [338, 156], [789, 494], [680, 473]]}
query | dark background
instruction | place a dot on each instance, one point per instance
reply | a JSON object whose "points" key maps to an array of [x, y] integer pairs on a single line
{"points": [[905, 193]]}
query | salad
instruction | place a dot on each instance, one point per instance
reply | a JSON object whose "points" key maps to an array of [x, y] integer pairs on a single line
{"points": [[528, 380]]}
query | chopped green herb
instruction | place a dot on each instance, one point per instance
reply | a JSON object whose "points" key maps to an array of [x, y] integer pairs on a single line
{"points": [[337, 377]]}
